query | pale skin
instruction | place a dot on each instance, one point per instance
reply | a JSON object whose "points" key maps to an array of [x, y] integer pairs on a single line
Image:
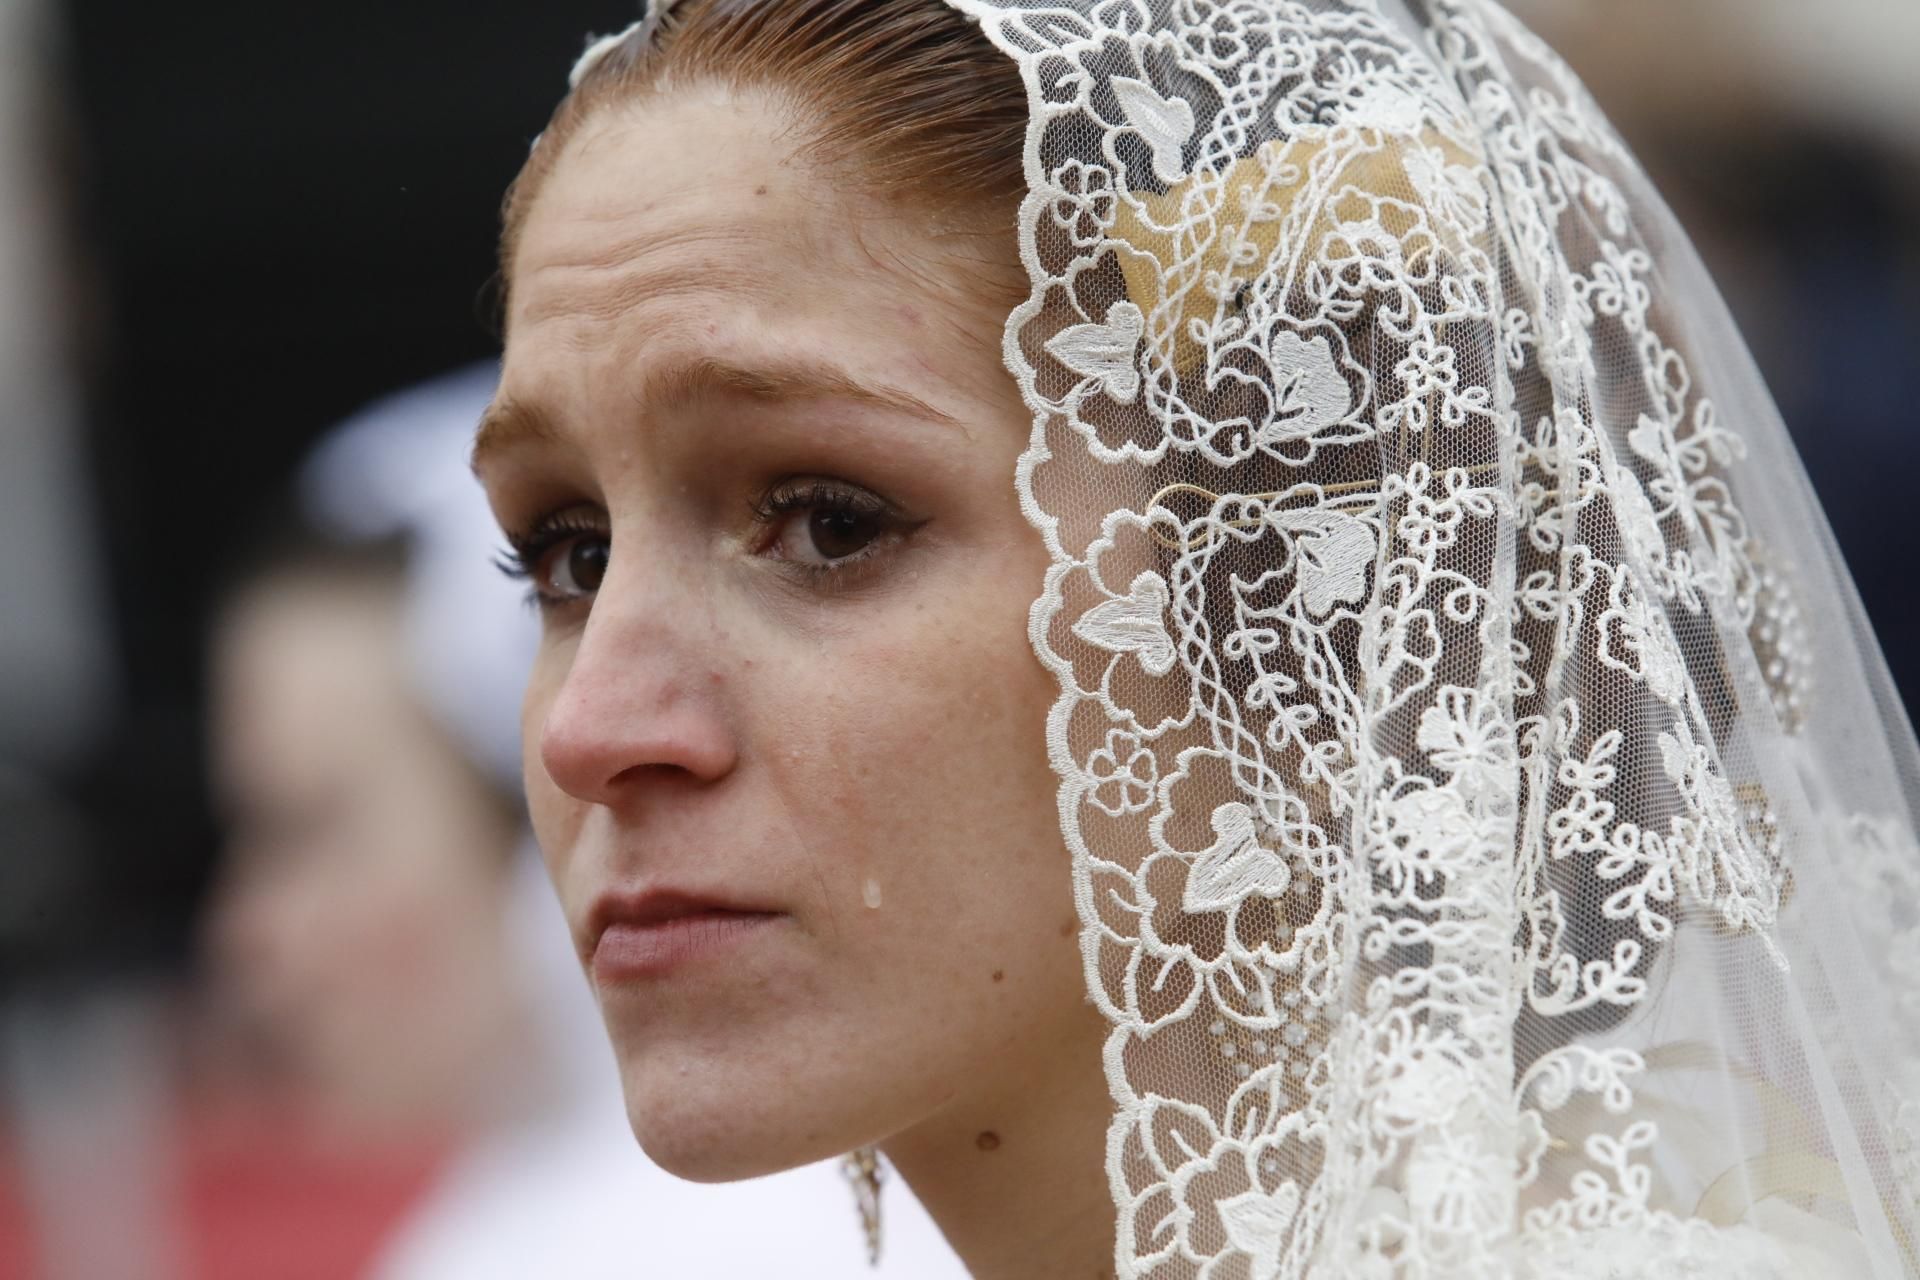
{"points": [[755, 423]]}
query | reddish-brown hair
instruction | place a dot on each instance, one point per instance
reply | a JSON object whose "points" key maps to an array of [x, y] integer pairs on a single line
{"points": [[907, 94]]}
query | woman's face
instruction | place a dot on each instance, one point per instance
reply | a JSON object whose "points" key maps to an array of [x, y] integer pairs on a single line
{"points": [[360, 919], [785, 737]]}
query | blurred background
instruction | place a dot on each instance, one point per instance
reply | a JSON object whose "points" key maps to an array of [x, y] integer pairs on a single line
{"points": [[224, 228]]}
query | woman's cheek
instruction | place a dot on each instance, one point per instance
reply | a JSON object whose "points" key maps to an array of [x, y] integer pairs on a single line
{"points": [[554, 815], [938, 717]]}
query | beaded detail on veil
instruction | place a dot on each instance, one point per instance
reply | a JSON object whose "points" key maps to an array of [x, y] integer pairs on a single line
{"points": [[1471, 758]]}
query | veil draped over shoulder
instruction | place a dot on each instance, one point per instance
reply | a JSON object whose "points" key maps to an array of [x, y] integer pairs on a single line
{"points": [[1490, 815]]}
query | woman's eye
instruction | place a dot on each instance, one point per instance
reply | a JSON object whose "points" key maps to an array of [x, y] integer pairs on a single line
{"points": [[823, 535], [563, 556], [571, 569], [825, 526]]}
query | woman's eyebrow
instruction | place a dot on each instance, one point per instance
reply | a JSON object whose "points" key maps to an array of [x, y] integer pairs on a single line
{"points": [[681, 382], [508, 422]]}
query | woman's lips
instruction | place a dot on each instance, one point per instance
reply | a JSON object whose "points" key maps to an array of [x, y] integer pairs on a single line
{"points": [[654, 935]]}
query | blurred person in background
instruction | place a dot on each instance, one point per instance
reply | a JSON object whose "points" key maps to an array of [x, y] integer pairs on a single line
{"points": [[382, 926], [361, 928]]}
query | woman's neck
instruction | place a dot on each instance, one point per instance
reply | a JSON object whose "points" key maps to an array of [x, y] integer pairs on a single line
{"points": [[1015, 1174]]}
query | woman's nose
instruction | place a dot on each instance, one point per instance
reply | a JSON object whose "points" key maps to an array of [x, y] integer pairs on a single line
{"points": [[641, 699]]}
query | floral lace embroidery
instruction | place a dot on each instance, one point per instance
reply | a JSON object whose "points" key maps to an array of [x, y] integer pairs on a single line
{"points": [[1382, 623]]}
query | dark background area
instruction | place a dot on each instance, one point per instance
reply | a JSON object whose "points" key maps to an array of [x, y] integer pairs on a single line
{"points": [[281, 212]]}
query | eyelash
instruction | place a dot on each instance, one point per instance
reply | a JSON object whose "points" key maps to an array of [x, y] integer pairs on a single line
{"points": [[769, 510], [525, 551], [790, 497]]}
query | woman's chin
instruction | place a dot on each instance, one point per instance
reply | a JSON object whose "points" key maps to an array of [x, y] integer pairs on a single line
{"points": [[716, 1140]]}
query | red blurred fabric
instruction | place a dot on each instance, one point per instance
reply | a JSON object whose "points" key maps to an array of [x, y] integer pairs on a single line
{"points": [[256, 1200]]}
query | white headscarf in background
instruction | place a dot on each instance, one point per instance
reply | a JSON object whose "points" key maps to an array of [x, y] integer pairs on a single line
{"points": [[564, 1192]]}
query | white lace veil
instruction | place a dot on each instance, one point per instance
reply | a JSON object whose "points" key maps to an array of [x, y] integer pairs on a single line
{"points": [[1490, 815]]}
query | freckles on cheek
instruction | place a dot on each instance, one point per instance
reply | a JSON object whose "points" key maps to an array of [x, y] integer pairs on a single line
{"points": [[860, 731], [850, 746], [928, 704]]}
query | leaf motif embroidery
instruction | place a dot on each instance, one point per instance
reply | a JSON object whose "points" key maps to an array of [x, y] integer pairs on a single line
{"points": [[1310, 394], [1335, 552], [1648, 438], [1165, 123], [1236, 865], [1104, 351], [1257, 1225], [1135, 624], [1386, 107], [1639, 523]]}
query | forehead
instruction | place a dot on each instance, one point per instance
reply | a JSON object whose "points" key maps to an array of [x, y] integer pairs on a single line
{"points": [[693, 220], [698, 180]]}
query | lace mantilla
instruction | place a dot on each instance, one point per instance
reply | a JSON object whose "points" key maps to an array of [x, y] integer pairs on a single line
{"points": [[1424, 679]]}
